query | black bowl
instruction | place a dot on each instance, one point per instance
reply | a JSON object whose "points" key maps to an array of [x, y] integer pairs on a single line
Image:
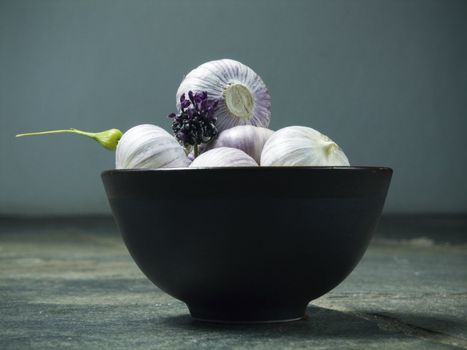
{"points": [[247, 244]]}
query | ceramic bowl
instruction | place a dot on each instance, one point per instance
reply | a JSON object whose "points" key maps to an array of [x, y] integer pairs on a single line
{"points": [[247, 244]]}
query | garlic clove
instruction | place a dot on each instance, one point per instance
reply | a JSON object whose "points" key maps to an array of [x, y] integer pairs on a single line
{"points": [[301, 146], [242, 95], [223, 157], [148, 146], [247, 138]]}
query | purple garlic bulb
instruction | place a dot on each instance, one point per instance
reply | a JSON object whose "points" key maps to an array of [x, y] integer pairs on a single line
{"points": [[247, 138], [242, 96]]}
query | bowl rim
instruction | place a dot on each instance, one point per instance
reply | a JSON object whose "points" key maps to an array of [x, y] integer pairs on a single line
{"points": [[254, 169]]}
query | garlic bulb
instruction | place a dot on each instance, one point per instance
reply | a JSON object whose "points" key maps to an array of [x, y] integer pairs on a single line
{"points": [[301, 146], [150, 147], [223, 157], [247, 138], [242, 95]]}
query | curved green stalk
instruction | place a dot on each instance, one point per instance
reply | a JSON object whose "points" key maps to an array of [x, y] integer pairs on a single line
{"points": [[107, 139]]}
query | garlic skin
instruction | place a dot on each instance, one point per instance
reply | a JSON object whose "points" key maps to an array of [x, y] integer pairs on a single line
{"points": [[247, 138], [242, 95], [223, 157], [148, 146], [301, 146]]}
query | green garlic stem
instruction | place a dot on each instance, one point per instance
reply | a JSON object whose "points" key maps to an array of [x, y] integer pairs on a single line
{"points": [[107, 139], [71, 130], [195, 150]]}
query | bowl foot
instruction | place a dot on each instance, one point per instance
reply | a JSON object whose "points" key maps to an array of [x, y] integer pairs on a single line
{"points": [[255, 315]]}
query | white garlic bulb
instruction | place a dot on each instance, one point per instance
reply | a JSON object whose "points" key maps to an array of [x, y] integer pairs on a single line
{"points": [[247, 138], [242, 95], [148, 146], [223, 157], [301, 146]]}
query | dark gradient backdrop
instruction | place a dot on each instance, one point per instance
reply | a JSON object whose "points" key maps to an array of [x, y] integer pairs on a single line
{"points": [[386, 79]]}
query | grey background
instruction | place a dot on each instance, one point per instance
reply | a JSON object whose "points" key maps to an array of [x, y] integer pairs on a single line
{"points": [[387, 80]]}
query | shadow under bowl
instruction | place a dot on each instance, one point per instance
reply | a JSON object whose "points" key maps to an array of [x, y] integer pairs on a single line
{"points": [[247, 244]]}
